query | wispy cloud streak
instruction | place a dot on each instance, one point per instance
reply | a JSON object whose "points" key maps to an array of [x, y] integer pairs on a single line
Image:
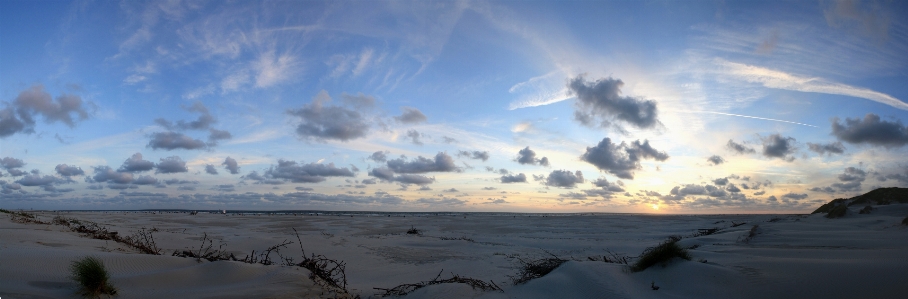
{"points": [[740, 115]]}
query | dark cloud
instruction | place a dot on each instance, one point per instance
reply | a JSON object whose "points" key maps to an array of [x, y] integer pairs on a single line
{"points": [[145, 180], [319, 122], [19, 117], [795, 196], [816, 189], [732, 188], [715, 160], [518, 178], [564, 178], [444, 201], [303, 189], [204, 121], [622, 159], [174, 140], [39, 180], [68, 171], [369, 181], [739, 148], [136, 164], [852, 174], [216, 135], [179, 182], [414, 137], [231, 165], [305, 173], [448, 140], [209, 169], [829, 148], [224, 188], [871, 130], [410, 116], [720, 181], [379, 156], [776, 146], [528, 156], [606, 185], [602, 101], [413, 179], [106, 174], [171, 164], [478, 155], [121, 186], [11, 163], [441, 163]]}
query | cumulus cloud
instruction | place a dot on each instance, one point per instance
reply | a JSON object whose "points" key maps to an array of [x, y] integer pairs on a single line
{"points": [[564, 178], [478, 155], [145, 180], [216, 135], [411, 116], [36, 179], [68, 170], [795, 196], [231, 165], [715, 160], [171, 164], [829, 148], [528, 156], [305, 173], [720, 181], [174, 140], [871, 130], [600, 103], [621, 159], [106, 174], [414, 137], [359, 100], [379, 156], [776, 146], [441, 163], [518, 178], [739, 148], [387, 175], [136, 164], [209, 169], [11, 165], [20, 116], [321, 122], [204, 121], [444, 201]]}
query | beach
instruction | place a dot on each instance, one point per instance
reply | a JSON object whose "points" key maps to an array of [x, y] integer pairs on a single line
{"points": [[787, 256]]}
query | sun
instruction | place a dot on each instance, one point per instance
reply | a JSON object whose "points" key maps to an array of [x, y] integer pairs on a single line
{"points": [[655, 207]]}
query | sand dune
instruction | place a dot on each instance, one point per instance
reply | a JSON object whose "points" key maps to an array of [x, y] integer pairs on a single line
{"points": [[791, 256]]}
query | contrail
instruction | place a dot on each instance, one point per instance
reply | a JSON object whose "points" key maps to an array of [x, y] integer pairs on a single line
{"points": [[747, 116]]}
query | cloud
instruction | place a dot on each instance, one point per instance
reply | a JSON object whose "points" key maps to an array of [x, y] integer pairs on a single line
{"points": [[387, 174], [216, 135], [852, 174], [145, 180], [478, 155], [732, 188], [601, 102], [136, 164], [448, 140], [39, 180], [781, 80], [382, 173], [179, 182], [622, 159], [739, 148], [829, 148], [528, 156], [106, 174], [171, 164], [411, 116], [441, 163], [564, 178], [444, 201], [231, 165], [871, 130], [174, 140], [360, 100], [776, 146], [68, 171], [720, 181], [19, 117], [319, 122], [209, 169], [518, 178], [715, 160], [414, 136], [305, 173], [795, 196], [11, 163]]}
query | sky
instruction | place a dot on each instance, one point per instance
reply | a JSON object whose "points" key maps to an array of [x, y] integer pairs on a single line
{"points": [[518, 106]]}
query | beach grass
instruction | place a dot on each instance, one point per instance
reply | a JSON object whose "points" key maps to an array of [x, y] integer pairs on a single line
{"points": [[660, 254], [92, 277]]}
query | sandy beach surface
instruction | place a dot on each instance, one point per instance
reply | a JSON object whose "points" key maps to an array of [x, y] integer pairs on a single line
{"points": [[791, 256]]}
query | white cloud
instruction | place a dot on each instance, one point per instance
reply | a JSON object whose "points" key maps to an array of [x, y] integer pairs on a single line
{"points": [[271, 69]]}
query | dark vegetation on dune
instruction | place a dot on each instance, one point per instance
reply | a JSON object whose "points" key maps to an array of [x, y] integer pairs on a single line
{"points": [[407, 288], [92, 277], [882, 196], [660, 254], [532, 269]]}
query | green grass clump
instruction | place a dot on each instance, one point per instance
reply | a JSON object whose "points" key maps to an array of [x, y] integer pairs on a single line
{"points": [[660, 254], [93, 278], [838, 211]]}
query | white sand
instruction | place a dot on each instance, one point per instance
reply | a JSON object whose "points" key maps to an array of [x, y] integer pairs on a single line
{"points": [[859, 256]]}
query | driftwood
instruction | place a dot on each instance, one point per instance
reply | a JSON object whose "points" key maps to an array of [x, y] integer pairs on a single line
{"points": [[536, 268], [407, 288]]}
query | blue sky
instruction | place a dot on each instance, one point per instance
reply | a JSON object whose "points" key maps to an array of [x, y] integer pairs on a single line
{"points": [[598, 106]]}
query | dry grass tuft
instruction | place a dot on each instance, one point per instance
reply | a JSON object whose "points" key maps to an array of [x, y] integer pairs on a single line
{"points": [[92, 277], [660, 254]]}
